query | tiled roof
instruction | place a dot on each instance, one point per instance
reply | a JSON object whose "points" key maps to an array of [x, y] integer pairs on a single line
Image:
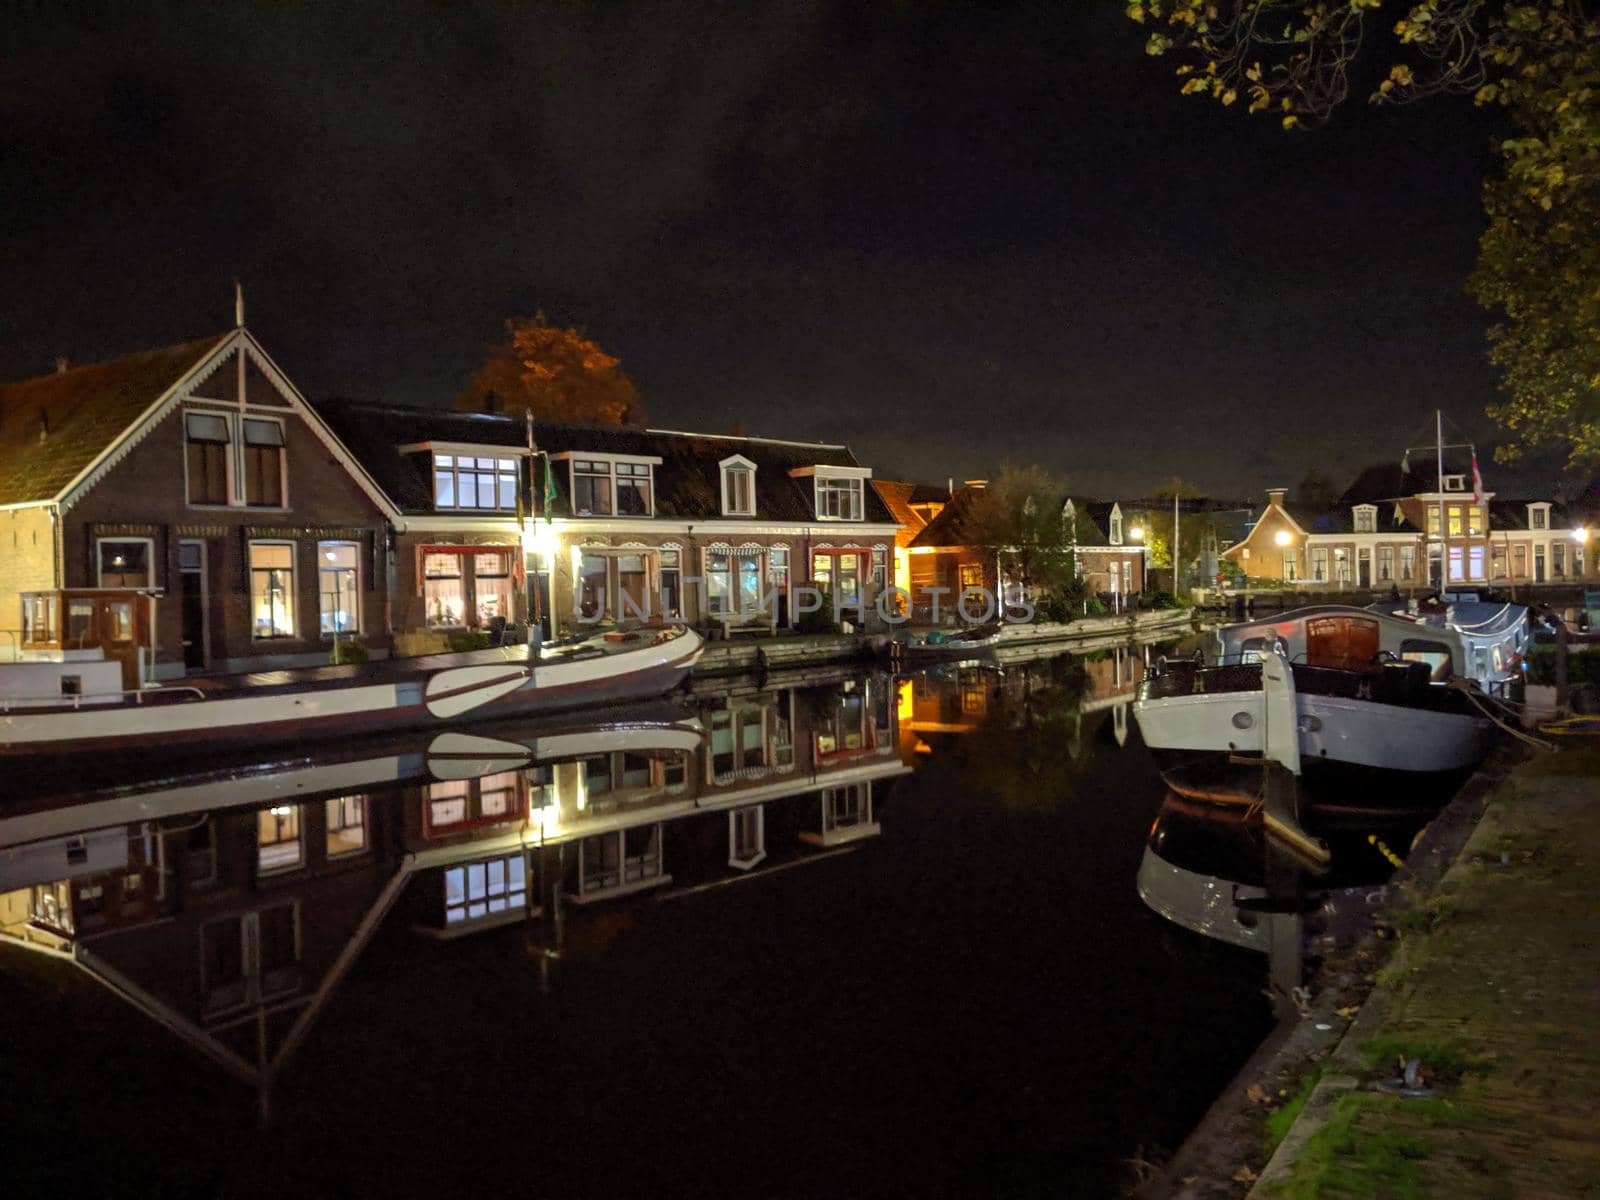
{"points": [[81, 411], [948, 528], [687, 480], [898, 496]]}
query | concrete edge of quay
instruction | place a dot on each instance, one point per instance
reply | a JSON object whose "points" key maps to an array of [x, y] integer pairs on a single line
{"points": [[1222, 1155]]}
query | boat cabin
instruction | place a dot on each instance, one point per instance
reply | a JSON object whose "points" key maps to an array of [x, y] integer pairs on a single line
{"points": [[1346, 639], [89, 642]]}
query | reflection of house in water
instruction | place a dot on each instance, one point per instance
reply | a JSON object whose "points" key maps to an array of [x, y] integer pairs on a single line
{"points": [[232, 927], [954, 699]]}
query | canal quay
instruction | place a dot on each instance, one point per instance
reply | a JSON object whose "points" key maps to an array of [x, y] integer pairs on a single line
{"points": [[821, 931]]}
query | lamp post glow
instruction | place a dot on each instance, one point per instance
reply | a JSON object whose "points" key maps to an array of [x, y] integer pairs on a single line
{"points": [[1283, 537], [1137, 533], [539, 543]]}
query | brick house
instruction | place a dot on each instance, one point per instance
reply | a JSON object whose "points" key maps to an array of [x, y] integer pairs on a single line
{"points": [[1387, 531], [611, 523], [197, 475]]}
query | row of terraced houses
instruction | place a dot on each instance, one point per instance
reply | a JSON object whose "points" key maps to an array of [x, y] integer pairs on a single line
{"points": [[263, 527]]}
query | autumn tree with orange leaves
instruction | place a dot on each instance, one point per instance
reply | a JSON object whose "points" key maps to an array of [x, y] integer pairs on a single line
{"points": [[561, 374]]}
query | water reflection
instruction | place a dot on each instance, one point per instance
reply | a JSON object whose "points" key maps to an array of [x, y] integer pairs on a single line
{"points": [[229, 909]]}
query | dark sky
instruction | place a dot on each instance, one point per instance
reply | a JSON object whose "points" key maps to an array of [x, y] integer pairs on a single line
{"points": [[954, 236]]}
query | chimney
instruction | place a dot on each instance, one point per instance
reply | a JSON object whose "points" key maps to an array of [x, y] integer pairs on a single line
{"points": [[61, 364], [1276, 495]]}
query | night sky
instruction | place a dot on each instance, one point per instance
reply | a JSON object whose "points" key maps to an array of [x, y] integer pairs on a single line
{"points": [[953, 237]]}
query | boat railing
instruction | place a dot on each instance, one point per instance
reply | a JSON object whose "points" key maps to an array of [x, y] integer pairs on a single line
{"points": [[77, 700]]}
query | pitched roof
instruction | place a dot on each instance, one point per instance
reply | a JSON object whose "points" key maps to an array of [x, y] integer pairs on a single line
{"points": [[81, 412], [687, 480], [899, 496], [948, 528]]}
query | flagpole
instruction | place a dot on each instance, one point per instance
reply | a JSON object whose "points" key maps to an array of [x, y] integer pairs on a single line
{"points": [[1444, 541], [534, 638]]}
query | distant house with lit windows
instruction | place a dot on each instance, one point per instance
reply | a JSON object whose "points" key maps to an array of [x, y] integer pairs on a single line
{"points": [[188, 511], [612, 523], [1396, 529]]}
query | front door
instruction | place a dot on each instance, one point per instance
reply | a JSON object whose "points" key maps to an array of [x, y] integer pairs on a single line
{"points": [[192, 603], [1364, 567], [124, 631], [1538, 564]]}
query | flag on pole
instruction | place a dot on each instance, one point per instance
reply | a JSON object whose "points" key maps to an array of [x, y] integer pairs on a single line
{"points": [[1477, 479]]}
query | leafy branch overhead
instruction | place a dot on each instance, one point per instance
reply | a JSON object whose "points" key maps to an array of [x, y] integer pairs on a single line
{"points": [[1538, 263], [561, 374]]}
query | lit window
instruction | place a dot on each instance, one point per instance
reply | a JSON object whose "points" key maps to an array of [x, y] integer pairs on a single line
{"points": [[1433, 521], [838, 498], [492, 587], [339, 587], [263, 463], [1475, 562], [485, 889], [206, 440], [278, 839], [467, 481], [591, 488], [1408, 562], [444, 591], [1456, 520], [271, 589], [346, 825], [125, 564], [671, 584]]}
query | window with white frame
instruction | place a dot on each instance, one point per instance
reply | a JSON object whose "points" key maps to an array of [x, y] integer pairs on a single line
{"points": [[633, 489], [839, 497], [480, 890], [263, 462], [271, 590], [1455, 483], [492, 585], [738, 487], [1116, 527], [733, 580], [604, 487], [1385, 563], [1408, 562], [1366, 518], [338, 588], [474, 482], [591, 488], [671, 576], [444, 590], [1538, 516]]}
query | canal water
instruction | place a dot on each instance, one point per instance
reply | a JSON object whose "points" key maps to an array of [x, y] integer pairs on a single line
{"points": [[823, 934]]}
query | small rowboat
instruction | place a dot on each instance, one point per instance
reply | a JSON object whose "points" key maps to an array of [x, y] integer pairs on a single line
{"points": [[280, 707], [939, 646]]}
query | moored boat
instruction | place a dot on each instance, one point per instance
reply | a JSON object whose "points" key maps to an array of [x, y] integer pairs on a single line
{"points": [[1385, 710], [330, 702]]}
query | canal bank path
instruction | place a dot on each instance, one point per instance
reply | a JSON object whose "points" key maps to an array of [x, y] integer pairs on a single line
{"points": [[1495, 989]]}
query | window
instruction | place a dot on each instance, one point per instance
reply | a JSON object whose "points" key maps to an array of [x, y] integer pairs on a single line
{"points": [[778, 574], [1457, 565], [492, 586], [468, 481], [1457, 523], [880, 565], [1291, 569], [738, 488], [1408, 562], [206, 441], [1455, 483], [971, 574], [591, 488], [633, 489], [444, 590], [338, 587], [838, 498], [1497, 561], [1433, 520], [1116, 529], [1435, 654], [1366, 518], [485, 889], [733, 580], [126, 564], [278, 839], [1341, 565], [346, 819], [1319, 564], [747, 843], [1385, 563], [457, 804], [272, 589], [593, 577], [1538, 516], [671, 584], [1558, 560], [1477, 520], [263, 463], [1475, 562], [840, 574]]}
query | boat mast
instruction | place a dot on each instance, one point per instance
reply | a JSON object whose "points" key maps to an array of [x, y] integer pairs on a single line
{"points": [[1444, 544]]}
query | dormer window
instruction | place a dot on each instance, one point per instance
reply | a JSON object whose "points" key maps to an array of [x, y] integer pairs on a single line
{"points": [[1116, 525], [738, 487], [1366, 518], [1539, 516], [1455, 483], [475, 482], [612, 486], [838, 498], [1069, 522]]}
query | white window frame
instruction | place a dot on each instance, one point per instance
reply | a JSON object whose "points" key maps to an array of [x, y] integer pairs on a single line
{"points": [[1364, 518], [853, 485], [728, 467], [322, 595], [294, 633], [1539, 516], [610, 462], [235, 420], [228, 456], [1114, 525], [283, 461], [99, 564], [501, 458]]}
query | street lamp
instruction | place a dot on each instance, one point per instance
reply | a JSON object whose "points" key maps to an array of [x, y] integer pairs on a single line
{"points": [[1137, 533], [1283, 537]]}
